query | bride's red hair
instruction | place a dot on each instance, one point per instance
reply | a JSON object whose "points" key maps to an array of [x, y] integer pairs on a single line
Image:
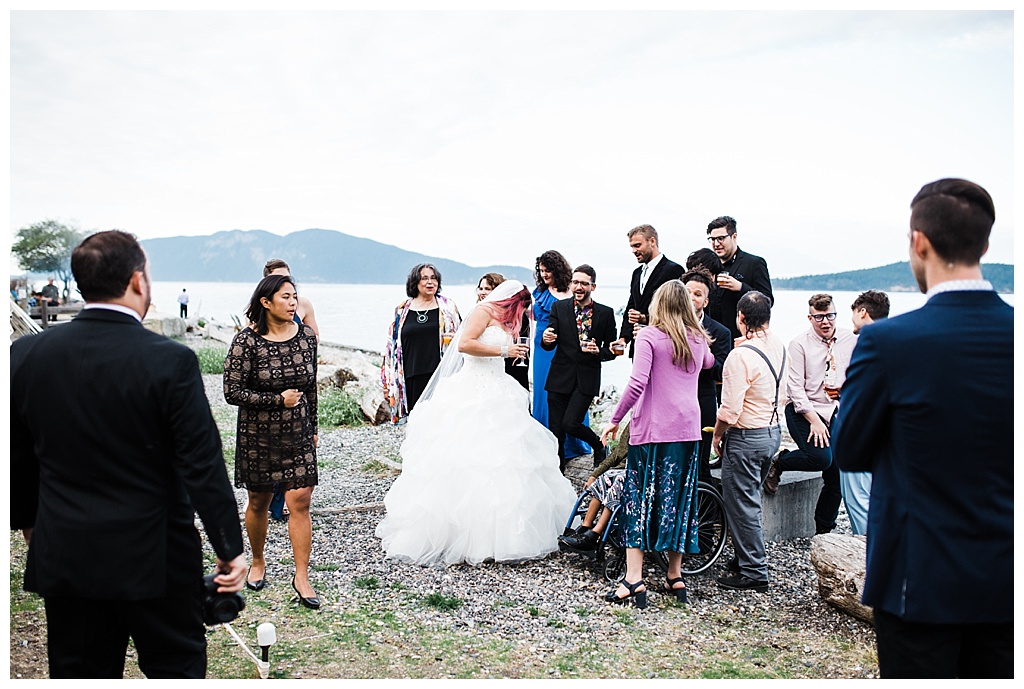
{"points": [[509, 312]]}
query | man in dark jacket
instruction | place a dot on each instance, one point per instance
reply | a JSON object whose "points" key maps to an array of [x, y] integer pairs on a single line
{"points": [[927, 408], [741, 273], [107, 501], [583, 331]]}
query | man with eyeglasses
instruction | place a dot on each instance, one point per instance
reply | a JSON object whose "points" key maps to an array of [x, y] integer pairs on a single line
{"points": [[817, 369], [583, 331], [741, 273]]}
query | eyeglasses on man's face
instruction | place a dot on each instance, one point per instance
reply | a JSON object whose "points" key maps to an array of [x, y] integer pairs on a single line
{"points": [[580, 283], [819, 317], [719, 239]]}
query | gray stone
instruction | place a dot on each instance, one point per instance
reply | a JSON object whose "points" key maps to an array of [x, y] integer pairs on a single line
{"points": [[164, 324]]}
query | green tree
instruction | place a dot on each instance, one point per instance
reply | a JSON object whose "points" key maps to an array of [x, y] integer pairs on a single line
{"points": [[45, 247]]}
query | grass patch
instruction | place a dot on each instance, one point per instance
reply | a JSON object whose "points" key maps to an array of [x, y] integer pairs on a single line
{"points": [[442, 602], [368, 583], [337, 408], [211, 358]]}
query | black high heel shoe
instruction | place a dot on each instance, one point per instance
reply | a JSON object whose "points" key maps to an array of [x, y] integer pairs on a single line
{"points": [[255, 585], [313, 602], [639, 597], [680, 593]]}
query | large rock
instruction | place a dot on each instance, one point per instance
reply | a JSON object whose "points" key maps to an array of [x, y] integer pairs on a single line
{"points": [[840, 561], [164, 323]]}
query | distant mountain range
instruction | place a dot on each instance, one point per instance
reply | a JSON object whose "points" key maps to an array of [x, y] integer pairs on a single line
{"points": [[329, 256], [895, 277], [317, 256]]}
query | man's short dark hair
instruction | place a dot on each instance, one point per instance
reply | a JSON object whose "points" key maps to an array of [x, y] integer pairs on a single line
{"points": [[646, 230], [412, 282], [705, 258], [698, 274], [820, 302], [756, 309], [103, 264], [588, 270], [274, 264], [957, 217], [874, 302], [724, 221]]}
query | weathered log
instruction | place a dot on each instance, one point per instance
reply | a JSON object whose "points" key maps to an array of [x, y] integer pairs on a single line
{"points": [[839, 560]]}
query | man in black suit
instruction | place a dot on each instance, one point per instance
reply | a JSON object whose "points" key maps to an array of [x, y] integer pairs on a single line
{"points": [[654, 271], [699, 284], [741, 273], [107, 501], [927, 408], [583, 330]]}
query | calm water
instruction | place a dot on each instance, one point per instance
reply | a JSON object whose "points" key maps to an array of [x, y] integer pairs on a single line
{"points": [[359, 315]]}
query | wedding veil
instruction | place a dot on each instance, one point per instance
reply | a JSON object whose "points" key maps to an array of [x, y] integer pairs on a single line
{"points": [[452, 360]]}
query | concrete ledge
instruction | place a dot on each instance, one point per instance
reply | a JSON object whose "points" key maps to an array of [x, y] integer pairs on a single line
{"points": [[789, 514]]}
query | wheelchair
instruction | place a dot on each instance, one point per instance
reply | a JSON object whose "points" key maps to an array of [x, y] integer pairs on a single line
{"points": [[610, 552]]}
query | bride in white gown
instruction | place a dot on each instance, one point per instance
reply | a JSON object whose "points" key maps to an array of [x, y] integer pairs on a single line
{"points": [[480, 478]]}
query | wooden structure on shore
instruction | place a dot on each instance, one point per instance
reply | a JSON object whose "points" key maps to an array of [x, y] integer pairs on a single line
{"points": [[27, 320]]}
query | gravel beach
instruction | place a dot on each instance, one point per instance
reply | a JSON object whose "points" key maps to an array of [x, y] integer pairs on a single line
{"points": [[543, 604]]}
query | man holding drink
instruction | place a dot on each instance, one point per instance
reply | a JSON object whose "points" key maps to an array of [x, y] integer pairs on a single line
{"points": [[741, 273], [655, 270], [817, 369], [582, 330]]}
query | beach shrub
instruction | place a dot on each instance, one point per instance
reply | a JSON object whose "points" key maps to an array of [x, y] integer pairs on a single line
{"points": [[211, 358], [338, 408]]}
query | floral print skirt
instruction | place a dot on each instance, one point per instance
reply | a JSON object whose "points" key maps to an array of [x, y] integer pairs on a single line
{"points": [[660, 497]]}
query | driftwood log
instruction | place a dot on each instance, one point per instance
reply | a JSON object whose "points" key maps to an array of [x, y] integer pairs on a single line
{"points": [[839, 560]]}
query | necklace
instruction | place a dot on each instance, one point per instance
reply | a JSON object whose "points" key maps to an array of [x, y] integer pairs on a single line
{"points": [[421, 316]]}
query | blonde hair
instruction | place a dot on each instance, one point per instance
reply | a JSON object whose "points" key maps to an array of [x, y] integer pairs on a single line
{"points": [[672, 313]]}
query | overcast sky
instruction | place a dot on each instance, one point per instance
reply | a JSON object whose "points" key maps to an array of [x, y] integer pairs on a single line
{"points": [[491, 137]]}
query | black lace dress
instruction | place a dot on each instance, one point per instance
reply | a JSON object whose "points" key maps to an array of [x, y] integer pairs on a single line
{"points": [[273, 444]]}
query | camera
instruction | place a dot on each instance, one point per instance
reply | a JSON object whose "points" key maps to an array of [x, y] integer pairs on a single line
{"points": [[219, 608]]}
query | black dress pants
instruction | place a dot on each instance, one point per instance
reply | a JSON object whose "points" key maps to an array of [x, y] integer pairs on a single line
{"points": [[708, 411], [566, 412], [810, 458], [88, 638], [915, 650]]}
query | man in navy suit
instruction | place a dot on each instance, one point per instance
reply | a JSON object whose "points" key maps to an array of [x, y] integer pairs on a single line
{"points": [[654, 271], [107, 501], [928, 409], [583, 331]]}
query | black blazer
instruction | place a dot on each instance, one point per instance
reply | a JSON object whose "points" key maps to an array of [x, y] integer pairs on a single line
{"points": [[113, 450], [571, 368], [927, 408], [663, 272], [752, 272]]}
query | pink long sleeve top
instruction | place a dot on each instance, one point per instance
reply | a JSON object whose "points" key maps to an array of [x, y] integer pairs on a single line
{"points": [[663, 396]]}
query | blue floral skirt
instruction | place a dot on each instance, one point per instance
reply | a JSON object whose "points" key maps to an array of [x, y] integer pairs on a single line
{"points": [[659, 498]]}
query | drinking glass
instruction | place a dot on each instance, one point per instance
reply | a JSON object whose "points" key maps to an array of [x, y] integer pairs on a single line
{"points": [[525, 341]]}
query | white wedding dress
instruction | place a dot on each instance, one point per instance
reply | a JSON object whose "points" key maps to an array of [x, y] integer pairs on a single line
{"points": [[480, 478]]}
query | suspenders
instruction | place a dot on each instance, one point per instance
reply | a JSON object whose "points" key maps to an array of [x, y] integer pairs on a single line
{"points": [[778, 380]]}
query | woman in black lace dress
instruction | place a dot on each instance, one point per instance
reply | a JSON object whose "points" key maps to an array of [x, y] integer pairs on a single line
{"points": [[270, 373]]}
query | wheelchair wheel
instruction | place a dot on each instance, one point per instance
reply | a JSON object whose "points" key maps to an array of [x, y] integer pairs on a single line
{"points": [[614, 565], [712, 530]]}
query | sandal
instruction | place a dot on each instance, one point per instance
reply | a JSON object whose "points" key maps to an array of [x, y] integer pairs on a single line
{"points": [[680, 593], [639, 597]]}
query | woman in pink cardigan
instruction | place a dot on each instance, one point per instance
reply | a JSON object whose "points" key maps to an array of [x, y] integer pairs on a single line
{"points": [[660, 495]]}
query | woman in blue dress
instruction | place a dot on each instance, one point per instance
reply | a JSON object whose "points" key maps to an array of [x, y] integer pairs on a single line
{"points": [[552, 273]]}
